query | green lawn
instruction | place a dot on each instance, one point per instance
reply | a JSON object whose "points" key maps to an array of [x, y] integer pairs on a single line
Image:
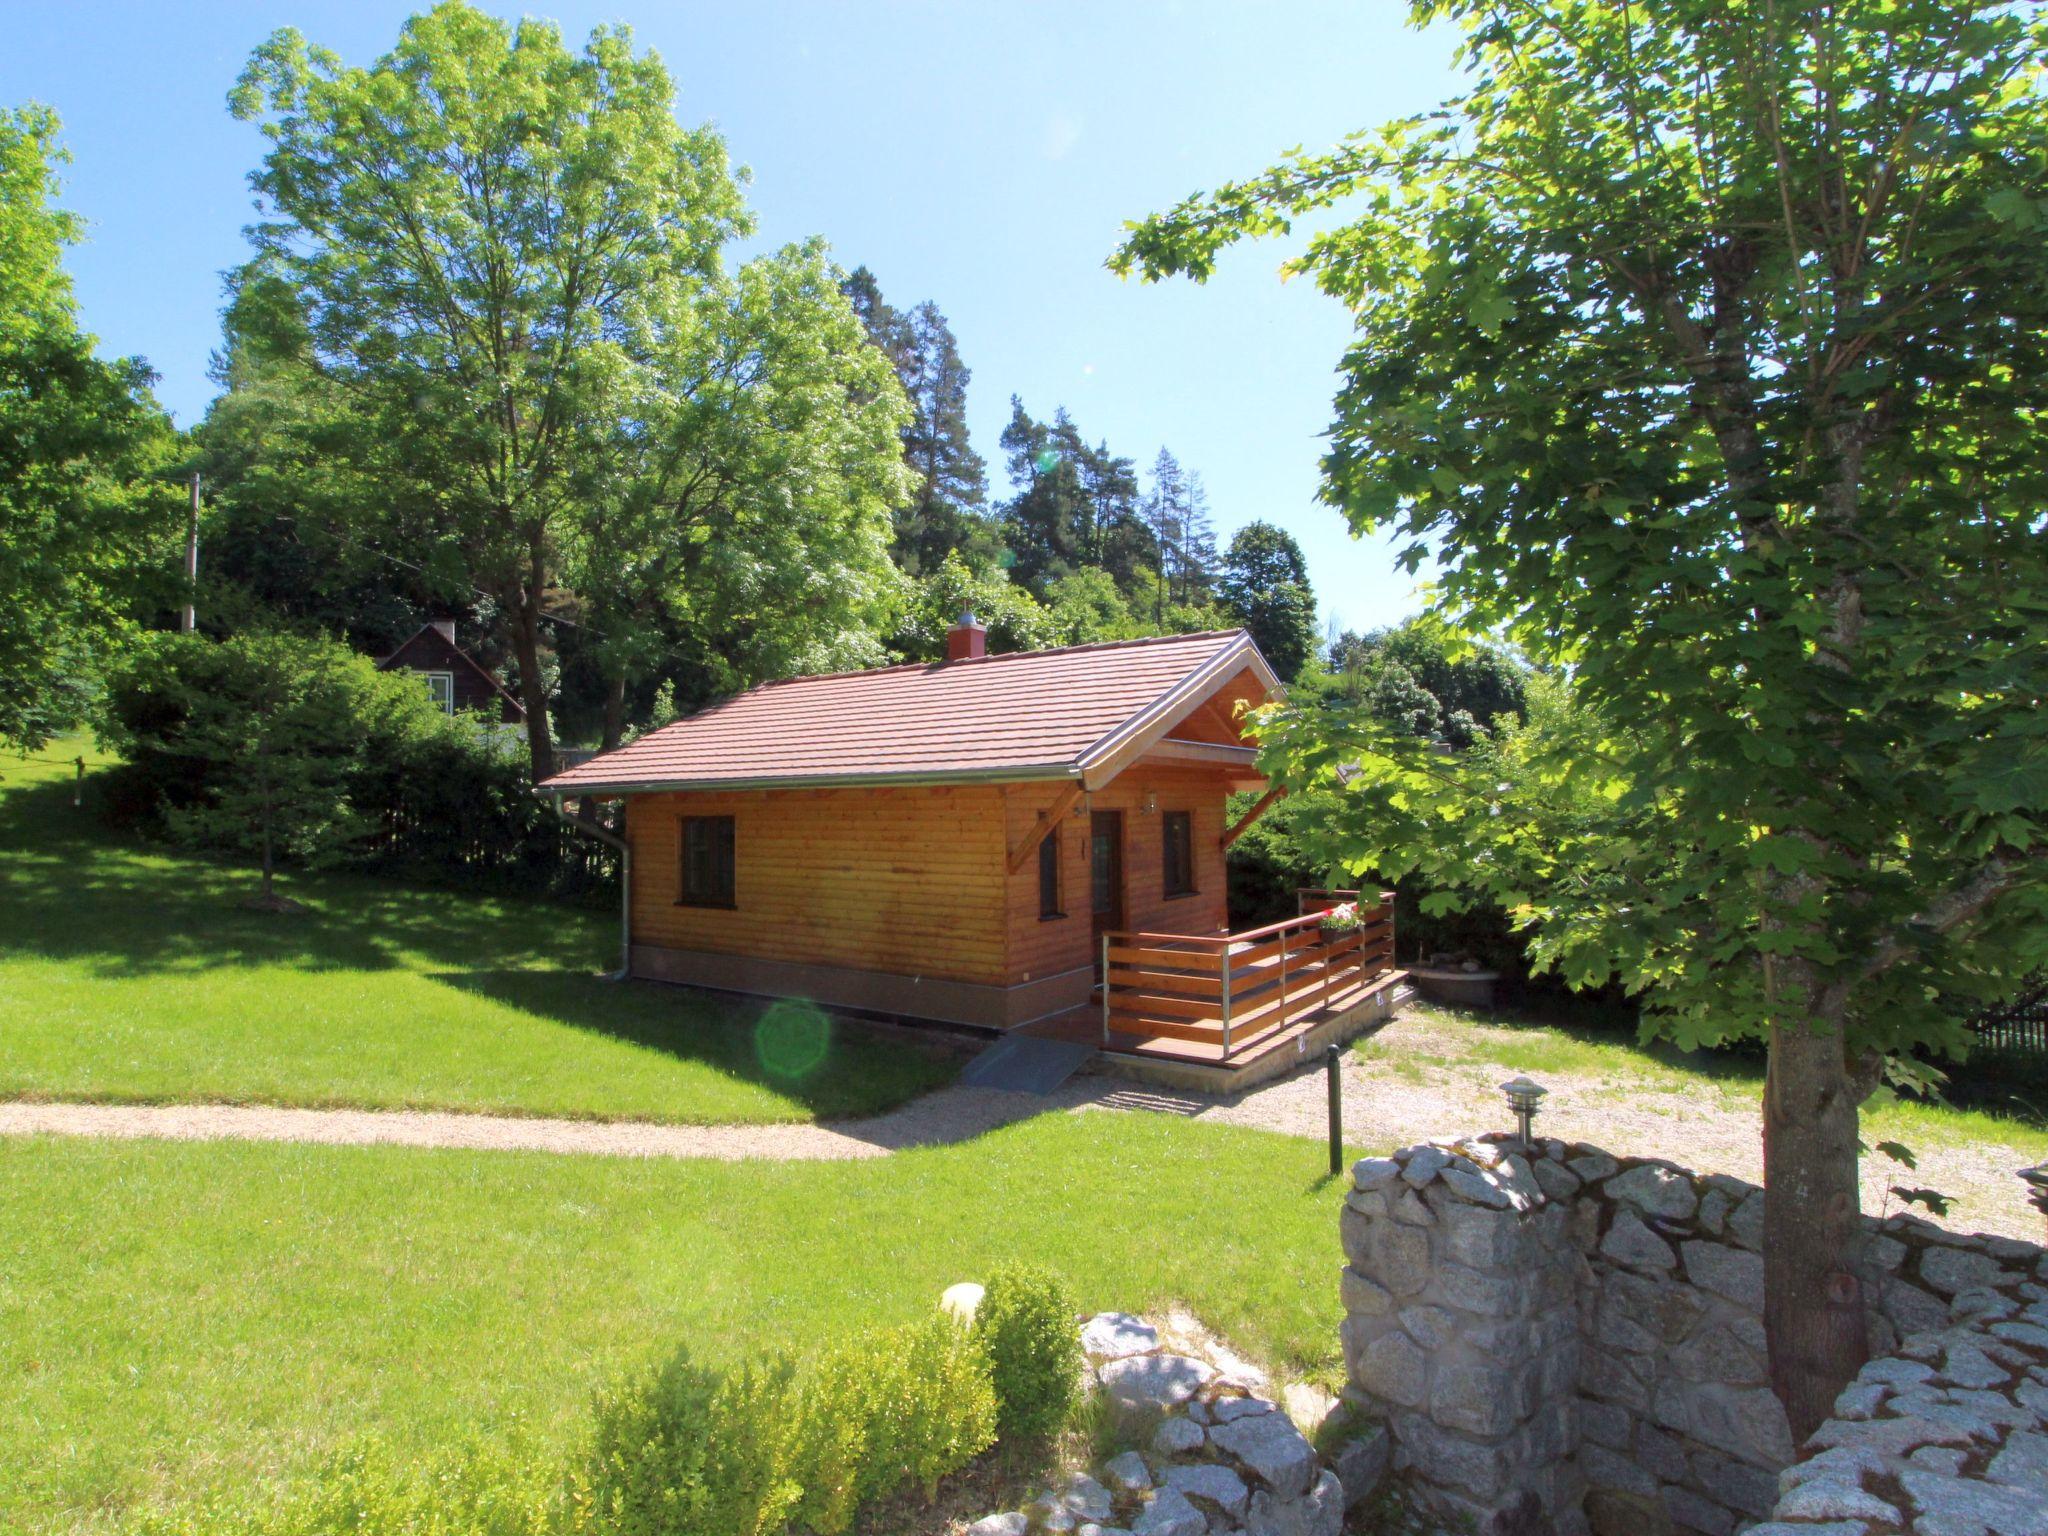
{"points": [[133, 973], [181, 1319]]}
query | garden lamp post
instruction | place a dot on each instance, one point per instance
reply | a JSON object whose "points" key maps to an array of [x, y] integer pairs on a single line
{"points": [[1523, 1098]]}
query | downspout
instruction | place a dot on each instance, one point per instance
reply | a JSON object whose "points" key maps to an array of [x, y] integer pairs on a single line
{"points": [[607, 836]]}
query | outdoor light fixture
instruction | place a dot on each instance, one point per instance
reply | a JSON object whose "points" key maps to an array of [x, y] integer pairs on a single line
{"points": [[1523, 1097], [2037, 1186], [1151, 802]]}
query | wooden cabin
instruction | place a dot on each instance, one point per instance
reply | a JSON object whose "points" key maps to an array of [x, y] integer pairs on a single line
{"points": [[970, 841], [454, 679]]}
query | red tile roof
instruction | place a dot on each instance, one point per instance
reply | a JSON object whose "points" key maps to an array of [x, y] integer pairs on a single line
{"points": [[1023, 715]]}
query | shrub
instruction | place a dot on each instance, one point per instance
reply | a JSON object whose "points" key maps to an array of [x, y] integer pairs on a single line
{"points": [[372, 774], [688, 1451], [1025, 1326]]}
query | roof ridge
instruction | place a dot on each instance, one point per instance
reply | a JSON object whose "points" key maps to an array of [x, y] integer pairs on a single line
{"points": [[993, 656]]}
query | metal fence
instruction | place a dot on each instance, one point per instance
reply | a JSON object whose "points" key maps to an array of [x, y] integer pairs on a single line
{"points": [[2019, 1025]]}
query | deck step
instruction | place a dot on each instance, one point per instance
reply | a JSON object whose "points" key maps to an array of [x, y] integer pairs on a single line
{"points": [[1025, 1064]]}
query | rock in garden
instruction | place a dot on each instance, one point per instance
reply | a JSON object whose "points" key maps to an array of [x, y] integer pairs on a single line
{"points": [[1157, 1382], [1834, 1498], [1951, 1270], [1477, 1188], [1118, 1335], [1630, 1243], [1374, 1172], [1129, 1472], [1079, 1498], [1178, 1437], [1727, 1272], [962, 1300], [1656, 1190], [1319, 1512], [2023, 1463], [1207, 1481], [1361, 1463], [1231, 1409], [1014, 1523], [1961, 1504], [1424, 1164], [1170, 1515], [1272, 1449]]}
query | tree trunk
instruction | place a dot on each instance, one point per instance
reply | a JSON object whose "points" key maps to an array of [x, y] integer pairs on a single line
{"points": [[533, 694], [614, 711], [263, 790], [1813, 1231]]}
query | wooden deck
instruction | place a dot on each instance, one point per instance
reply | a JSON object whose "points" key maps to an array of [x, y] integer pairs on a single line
{"points": [[1224, 1008]]}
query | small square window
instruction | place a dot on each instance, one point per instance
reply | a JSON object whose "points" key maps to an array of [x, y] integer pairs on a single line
{"points": [[1049, 896], [1178, 840], [707, 862]]}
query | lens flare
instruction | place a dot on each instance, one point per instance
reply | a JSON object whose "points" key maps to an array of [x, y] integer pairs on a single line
{"points": [[1047, 461], [792, 1040]]}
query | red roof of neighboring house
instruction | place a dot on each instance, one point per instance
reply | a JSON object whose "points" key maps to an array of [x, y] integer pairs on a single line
{"points": [[1021, 715]]}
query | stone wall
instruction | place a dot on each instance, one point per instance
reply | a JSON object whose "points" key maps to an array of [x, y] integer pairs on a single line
{"points": [[1563, 1340], [1945, 1437]]}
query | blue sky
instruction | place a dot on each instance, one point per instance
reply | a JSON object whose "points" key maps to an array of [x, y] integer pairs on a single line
{"points": [[981, 155]]}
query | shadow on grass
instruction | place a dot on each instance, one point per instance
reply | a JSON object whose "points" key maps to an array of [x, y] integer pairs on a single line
{"points": [[71, 890], [831, 1066]]}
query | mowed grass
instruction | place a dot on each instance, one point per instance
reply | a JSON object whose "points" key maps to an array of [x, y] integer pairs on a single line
{"points": [[132, 973], [182, 1319]]}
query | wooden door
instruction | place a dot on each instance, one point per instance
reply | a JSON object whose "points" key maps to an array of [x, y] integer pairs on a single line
{"points": [[1105, 874]]}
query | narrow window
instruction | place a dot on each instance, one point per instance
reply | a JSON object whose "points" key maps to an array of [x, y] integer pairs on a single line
{"points": [[707, 862], [1178, 837], [1049, 904], [441, 689]]}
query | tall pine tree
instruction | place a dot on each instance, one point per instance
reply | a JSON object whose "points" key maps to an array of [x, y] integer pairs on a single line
{"points": [[950, 489], [1074, 505]]}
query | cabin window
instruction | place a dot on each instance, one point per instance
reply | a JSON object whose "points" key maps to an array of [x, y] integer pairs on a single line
{"points": [[1178, 840], [441, 689], [707, 861], [1049, 904]]}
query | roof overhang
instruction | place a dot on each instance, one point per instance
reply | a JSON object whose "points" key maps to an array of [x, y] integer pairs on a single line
{"points": [[1143, 731], [1025, 774]]}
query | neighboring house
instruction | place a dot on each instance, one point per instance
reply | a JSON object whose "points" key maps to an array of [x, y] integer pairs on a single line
{"points": [[455, 680], [968, 841]]}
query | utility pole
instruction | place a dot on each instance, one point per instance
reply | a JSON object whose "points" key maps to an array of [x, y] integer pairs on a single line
{"points": [[191, 619]]}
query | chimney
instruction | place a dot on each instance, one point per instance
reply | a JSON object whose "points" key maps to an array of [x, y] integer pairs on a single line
{"points": [[967, 639], [445, 628]]}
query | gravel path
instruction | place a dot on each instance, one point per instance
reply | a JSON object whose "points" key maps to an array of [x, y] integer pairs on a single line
{"points": [[952, 1114], [1384, 1108], [1703, 1130]]}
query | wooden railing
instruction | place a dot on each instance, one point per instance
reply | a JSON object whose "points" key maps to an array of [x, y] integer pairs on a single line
{"points": [[1226, 989]]}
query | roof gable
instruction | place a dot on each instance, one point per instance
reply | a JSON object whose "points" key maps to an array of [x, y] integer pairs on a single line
{"points": [[426, 649], [1078, 712]]}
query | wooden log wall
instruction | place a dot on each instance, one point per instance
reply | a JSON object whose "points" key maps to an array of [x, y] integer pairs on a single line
{"points": [[906, 880]]}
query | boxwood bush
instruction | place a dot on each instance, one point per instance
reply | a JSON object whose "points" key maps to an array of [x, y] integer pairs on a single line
{"points": [[686, 1451], [1025, 1326]]}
